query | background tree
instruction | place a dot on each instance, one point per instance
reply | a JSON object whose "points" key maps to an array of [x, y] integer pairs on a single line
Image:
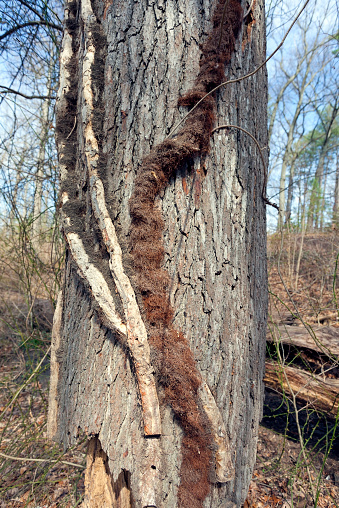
{"points": [[170, 380], [304, 84], [29, 46], [29, 57], [326, 142]]}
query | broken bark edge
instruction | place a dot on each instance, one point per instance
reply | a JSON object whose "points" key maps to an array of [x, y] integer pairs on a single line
{"points": [[101, 491], [52, 417], [224, 467]]}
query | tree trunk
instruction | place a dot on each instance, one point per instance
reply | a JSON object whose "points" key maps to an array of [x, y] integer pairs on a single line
{"points": [[317, 190], [39, 177], [40, 173], [335, 217], [291, 182], [124, 65], [288, 156]]}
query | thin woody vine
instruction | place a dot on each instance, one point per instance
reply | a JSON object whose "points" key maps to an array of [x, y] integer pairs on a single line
{"points": [[161, 354]]}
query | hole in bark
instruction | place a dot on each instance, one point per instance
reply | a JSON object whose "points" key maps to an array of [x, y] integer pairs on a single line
{"points": [[153, 467], [249, 18]]}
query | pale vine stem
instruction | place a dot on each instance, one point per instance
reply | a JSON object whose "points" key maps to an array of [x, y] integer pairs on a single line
{"points": [[138, 349], [249, 9], [110, 239], [136, 330]]}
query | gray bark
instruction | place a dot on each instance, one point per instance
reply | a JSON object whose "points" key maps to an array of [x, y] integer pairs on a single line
{"points": [[215, 243]]}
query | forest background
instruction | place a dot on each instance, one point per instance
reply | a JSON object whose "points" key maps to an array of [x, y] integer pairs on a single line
{"points": [[298, 445]]}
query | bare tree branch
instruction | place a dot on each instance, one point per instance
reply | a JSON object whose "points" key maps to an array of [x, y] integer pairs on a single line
{"points": [[35, 11], [30, 23], [5, 89]]}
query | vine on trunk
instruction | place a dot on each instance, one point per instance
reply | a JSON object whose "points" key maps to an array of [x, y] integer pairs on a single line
{"points": [[172, 357]]}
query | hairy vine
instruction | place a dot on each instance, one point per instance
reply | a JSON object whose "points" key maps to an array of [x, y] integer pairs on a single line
{"points": [[173, 359]]}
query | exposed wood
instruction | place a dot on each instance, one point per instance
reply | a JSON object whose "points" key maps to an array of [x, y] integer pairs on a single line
{"points": [[100, 490], [54, 378], [312, 389], [224, 466]]}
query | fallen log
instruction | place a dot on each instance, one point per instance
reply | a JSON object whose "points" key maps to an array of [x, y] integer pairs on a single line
{"points": [[322, 339], [314, 390]]}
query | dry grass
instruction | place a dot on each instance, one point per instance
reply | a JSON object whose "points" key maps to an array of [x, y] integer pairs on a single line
{"points": [[309, 287], [26, 482], [297, 460], [34, 471]]}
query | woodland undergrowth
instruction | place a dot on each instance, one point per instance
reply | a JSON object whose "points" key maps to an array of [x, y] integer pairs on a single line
{"points": [[34, 472]]}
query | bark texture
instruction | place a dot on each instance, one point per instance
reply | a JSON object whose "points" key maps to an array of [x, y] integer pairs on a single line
{"points": [[141, 58]]}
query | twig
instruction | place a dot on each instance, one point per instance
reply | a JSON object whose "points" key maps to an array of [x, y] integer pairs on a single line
{"points": [[5, 89], [25, 383], [301, 439], [261, 155], [26, 459], [75, 122], [249, 10], [236, 80], [30, 23]]}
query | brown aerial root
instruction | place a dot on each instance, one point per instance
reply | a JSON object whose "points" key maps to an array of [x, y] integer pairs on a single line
{"points": [[172, 356]]}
